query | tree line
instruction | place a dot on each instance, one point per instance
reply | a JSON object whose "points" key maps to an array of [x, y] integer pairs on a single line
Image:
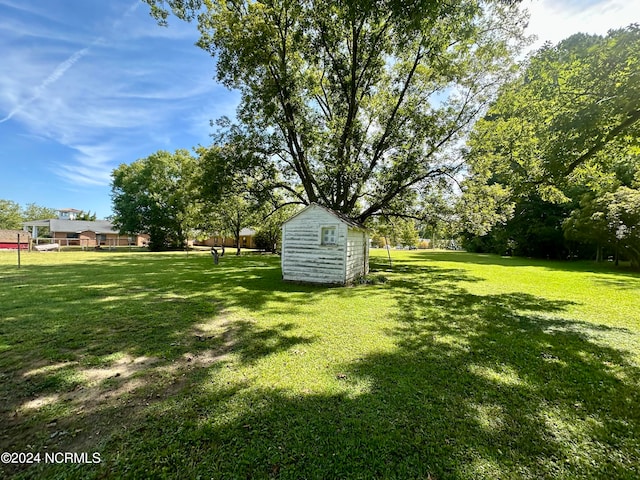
{"points": [[12, 214], [417, 115], [172, 197], [557, 156]]}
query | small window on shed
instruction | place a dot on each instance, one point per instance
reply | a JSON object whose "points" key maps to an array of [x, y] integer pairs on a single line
{"points": [[328, 236]]}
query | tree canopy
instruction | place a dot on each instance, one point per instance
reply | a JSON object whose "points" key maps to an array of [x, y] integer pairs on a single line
{"points": [[559, 148], [153, 195], [12, 214], [360, 105], [573, 111]]}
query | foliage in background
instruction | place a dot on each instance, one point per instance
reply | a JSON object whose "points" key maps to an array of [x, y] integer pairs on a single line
{"points": [[394, 232], [612, 220], [153, 195], [176, 197], [440, 218], [232, 202], [230, 215], [86, 216], [12, 215], [561, 136], [408, 234], [31, 211], [269, 233]]}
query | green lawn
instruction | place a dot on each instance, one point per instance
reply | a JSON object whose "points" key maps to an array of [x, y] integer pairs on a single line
{"points": [[452, 365]]}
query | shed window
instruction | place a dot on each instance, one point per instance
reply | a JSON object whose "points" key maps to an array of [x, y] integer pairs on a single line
{"points": [[328, 235]]}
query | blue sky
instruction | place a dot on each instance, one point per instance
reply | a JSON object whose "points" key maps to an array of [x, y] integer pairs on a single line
{"points": [[86, 85]]}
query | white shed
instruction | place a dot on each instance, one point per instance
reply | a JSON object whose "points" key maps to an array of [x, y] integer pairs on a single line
{"points": [[320, 245]]}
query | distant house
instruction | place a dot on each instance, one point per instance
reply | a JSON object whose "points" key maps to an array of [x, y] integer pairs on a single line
{"points": [[247, 240], [68, 213], [67, 231], [9, 239], [322, 246]]}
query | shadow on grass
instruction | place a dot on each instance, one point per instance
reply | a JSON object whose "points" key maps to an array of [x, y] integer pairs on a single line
{"points": [[604, 268], [495, 386], [75, 338], [478, 387]]}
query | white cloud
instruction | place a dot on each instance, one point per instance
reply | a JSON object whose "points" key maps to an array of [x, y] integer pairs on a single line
{"points": [[92, 165], [553, 21], [80, 175], [110, 96], [55, 75], [25, 7]]}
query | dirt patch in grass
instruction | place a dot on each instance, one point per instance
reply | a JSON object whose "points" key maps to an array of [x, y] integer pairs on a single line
{"points": [[105, 399]]}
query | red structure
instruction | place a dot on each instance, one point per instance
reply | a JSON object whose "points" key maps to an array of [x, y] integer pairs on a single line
{"points": [[9, 239]]}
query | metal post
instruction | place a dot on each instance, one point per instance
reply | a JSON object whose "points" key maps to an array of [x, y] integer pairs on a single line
{"points": [[388, 247], [18, 250]]}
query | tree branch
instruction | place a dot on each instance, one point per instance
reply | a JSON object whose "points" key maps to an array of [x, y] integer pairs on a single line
{"points": [[632, 118]]}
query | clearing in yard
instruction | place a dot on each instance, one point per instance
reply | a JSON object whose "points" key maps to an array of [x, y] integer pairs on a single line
{"points": [[452, 365]]}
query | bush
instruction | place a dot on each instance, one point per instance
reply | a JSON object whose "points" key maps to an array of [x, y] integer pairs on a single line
{"points": [[265, 241]]}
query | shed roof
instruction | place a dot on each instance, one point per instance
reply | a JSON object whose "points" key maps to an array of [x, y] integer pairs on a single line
{"points": [[341, 216]]}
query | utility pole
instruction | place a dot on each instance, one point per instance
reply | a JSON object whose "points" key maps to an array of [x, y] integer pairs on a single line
{"points": [[18, 250]]}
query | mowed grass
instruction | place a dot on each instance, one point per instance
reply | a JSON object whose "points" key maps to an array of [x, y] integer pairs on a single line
{"points": [[447, 366]]}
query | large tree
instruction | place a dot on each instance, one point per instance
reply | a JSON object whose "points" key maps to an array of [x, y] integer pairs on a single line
{"points": [[559, 137], [154, 195], [33, 211], [356, 105], [10, 215], [575, 107]]}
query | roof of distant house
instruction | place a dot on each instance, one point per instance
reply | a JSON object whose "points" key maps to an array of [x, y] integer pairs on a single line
{"points": [[12, 235], [75, 226]]}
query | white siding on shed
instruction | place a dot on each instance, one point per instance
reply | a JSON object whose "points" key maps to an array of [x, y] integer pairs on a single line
{"points": [[357, 260], [306, 259]]}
